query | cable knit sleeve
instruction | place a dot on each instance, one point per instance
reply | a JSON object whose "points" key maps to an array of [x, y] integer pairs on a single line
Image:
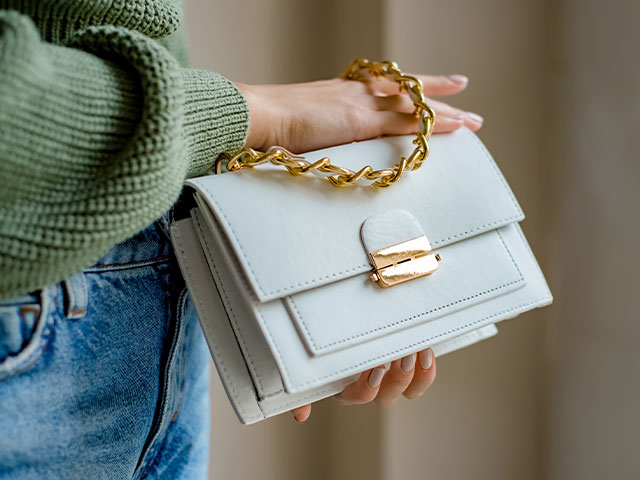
{"points": [[96, 138]]}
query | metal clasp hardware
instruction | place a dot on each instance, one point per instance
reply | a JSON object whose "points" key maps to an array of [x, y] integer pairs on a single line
{"points": [[403, 262]]}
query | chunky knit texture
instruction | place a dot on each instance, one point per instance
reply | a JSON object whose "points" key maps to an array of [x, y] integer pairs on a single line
{"points": [[99, 126]]}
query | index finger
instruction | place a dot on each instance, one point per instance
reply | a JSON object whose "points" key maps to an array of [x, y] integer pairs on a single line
{"points": [[432, 85]]}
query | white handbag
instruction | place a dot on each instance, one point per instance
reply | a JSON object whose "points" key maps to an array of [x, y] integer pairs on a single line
{"points": [[287, 276]]}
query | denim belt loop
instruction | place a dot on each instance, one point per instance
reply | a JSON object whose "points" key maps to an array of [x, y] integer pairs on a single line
{"points": [[76, 296]]}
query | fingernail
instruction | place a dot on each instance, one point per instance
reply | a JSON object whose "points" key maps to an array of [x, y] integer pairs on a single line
{"points": [[475, 117], [387, 366], [376, 377], [408, 363], [460, 79], [426, 359]]}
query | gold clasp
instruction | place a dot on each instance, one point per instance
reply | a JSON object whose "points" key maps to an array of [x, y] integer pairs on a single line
{"points": [[403, 262]]}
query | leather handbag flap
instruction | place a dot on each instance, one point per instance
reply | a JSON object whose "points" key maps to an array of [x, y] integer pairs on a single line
{"points": [[292, 234]]}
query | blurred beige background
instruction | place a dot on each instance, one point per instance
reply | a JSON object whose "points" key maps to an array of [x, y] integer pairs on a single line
{"points": [[556, 395]]}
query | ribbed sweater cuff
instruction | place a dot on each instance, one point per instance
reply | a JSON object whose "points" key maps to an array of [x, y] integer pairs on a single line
{"points": [[216, 118]]}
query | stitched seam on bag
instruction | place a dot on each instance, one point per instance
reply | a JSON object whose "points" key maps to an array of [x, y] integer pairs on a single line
{"points": [[533, 258], [235, 265], [268, 411], [399, 322], [509, 252], [473, 230], [272, 394], [227, 247], [320, 348], [284, 372], [238, 269], [399, 351], [177, 235], [245, 282], [463, 340], [359, 268], [233, 316]]}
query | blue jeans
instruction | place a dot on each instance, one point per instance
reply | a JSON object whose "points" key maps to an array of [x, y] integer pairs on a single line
{"points": [[106, 375]]}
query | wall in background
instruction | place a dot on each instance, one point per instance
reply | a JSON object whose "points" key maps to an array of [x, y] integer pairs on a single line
{"points": [[595, 402], [555, 394]]}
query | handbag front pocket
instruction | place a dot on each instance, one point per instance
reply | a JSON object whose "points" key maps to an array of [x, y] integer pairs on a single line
{"points": [[355, 310]]}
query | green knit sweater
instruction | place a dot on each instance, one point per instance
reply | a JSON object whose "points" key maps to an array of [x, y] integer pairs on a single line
{"points": [[99, 126]]}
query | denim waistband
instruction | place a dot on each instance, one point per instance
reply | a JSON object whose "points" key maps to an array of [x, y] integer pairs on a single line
{"points": [[151, 244]]}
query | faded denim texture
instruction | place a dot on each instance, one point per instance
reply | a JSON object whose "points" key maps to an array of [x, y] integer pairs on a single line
{"points": [[106, 375]]}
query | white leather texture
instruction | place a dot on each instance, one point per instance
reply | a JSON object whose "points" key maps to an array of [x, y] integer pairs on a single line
{"points": [[278, 268], [457, 194], [389, 228]]}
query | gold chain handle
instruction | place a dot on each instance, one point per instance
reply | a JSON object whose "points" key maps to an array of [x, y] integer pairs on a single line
{"points": [[340, 176]]}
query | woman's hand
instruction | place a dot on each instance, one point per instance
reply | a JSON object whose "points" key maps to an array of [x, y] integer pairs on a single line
{"points": [[410, 376], [308, 116]]}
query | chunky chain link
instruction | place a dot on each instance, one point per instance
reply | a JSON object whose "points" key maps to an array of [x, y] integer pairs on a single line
{"points": [[344, 177]]}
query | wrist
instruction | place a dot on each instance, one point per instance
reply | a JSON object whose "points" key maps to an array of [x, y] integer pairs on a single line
{"points": [[256, 137]]}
